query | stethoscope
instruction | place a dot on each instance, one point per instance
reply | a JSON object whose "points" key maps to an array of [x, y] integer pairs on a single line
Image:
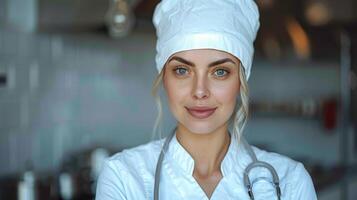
{"points": [[249, 185]]}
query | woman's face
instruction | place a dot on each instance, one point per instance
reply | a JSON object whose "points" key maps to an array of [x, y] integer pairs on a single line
{"points": [[202, 77]]}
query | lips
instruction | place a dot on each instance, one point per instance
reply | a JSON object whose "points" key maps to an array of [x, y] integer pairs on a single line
{"points": [[201, 112]]}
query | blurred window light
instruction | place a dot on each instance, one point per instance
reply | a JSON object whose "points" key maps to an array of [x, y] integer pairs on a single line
{"points": [[299, 38], [317, 13], [119, 18], [266, 4]]}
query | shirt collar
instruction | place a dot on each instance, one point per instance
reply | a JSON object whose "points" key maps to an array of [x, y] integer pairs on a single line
{"points": [[236, 157]]}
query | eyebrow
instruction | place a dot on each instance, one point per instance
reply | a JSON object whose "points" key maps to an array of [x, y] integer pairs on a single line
{"points": [[224, 60]]}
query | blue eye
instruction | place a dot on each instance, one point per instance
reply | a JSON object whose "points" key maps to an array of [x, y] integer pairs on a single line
{"points": [[221, 72], [180, 70]]}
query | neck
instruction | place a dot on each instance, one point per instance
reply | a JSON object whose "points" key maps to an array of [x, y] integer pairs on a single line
{"points": [[207, 150]]}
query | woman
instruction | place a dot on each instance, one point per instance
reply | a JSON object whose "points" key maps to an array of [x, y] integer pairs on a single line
{"points": [[204, 57]]}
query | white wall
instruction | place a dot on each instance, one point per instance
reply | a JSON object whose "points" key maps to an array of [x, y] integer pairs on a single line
{"points": [[2, 12], [22, 15]]}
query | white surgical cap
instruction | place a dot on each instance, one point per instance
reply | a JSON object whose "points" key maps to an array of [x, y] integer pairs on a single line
{"points": [[227, 25]]}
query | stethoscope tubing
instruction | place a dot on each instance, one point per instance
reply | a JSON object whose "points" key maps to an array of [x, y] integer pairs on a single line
{"points": [[248, 184]]}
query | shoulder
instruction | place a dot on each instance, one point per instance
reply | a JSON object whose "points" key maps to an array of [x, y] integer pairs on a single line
{"points": [[141, 157], [290, 172], [283, 164], [127, 171]]}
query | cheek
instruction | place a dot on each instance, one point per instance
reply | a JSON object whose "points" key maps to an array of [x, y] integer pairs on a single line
{"points": [[176, 91], [226, 94]]}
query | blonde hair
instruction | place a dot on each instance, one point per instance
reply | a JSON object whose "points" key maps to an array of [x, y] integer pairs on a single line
{"points": [[239, 117]]}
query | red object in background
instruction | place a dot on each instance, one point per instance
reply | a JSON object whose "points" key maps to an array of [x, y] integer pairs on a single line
{"points": [[329, 112]]}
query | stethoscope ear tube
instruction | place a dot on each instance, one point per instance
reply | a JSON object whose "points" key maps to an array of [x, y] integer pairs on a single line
{"points": [[159, 164], [271, 169], [256, 163]]}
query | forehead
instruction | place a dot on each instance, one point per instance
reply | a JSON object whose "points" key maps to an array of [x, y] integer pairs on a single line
{"points": [[204, 55]]}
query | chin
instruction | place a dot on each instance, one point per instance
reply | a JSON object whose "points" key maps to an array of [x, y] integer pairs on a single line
{"points": [[200, 127]]}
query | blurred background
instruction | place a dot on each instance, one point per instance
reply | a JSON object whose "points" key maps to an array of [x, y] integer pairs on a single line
{"points": [[76, 76]]}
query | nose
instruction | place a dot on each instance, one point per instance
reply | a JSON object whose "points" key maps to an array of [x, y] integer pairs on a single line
{"points": [[200, 88]]}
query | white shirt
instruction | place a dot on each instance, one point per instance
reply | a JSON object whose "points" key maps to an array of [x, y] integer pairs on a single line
{"points": [[130, 175]]}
